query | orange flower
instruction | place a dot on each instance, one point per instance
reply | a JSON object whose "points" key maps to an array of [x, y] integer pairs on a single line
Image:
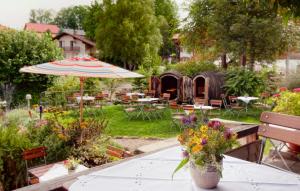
{"points": [[196, 149]]}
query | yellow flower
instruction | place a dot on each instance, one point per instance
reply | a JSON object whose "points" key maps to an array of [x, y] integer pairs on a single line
{"points": [[204, 136], [83, 125], [197, 148], [191, 132], [203, 129]]}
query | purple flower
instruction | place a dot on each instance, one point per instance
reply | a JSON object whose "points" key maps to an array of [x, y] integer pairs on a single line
{"points": [[193, 118], [228, 133], [186, 120], [204, 142], [215, 125], [185, 154]]}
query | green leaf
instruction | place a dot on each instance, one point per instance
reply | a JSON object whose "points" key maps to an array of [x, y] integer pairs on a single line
{"points": [[181, 164]]}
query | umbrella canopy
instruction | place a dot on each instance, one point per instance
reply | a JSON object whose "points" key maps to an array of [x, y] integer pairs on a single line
{"points": [[82, 67]]}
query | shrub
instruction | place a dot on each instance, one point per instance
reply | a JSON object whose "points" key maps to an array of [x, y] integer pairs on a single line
{"points": [[288, 103], [12, 166], [243, 82], [191, 68], [19, 117]]}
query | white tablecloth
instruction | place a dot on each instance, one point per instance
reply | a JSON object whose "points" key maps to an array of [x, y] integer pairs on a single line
{"points": [[138, 94], [58, 170], [147, 99], [203, 107], [153, 173], [247, 99], [85, 98]]}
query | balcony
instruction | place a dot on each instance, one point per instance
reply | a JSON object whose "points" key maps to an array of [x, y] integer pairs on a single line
{"points": [[71, 48]]}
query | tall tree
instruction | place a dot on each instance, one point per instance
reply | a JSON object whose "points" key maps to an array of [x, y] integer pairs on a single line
{"points": [[21, 48], [45, 16], [92, 19], [126, 30], [249, 31], [167, 13], [71, 17]]}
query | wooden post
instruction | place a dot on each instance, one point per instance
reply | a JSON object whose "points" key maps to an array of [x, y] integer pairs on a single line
{"points": [[81, 99]]}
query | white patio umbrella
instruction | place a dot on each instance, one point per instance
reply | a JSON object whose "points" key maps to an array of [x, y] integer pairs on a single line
{"points": [[83, 67]]}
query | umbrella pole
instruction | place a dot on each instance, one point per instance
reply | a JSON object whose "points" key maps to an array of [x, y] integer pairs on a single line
{"points": [[81, 99]]}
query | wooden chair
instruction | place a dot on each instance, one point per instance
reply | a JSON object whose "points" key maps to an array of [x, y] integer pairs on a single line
{"points": [[231, 108], [199, 101], [165, 98], [117, 152], [29, 156], [280, 127]]}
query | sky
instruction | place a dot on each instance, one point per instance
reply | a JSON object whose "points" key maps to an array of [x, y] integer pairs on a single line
{"points": [[15, 13]]}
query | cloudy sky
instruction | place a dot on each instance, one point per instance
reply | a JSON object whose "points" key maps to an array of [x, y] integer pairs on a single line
{"points": [[15, 13]]}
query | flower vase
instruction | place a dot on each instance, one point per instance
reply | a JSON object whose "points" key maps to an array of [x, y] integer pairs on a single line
{"points": [[207, 178], [70, 171]]}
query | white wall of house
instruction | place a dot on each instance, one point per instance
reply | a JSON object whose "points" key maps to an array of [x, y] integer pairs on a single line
{"points": [[66, 43]]}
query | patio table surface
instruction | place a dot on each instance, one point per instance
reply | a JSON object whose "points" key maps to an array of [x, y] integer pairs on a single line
{"points": [[153, 172], [135, 93], [246, 99], [85, 98], [147, 99]]}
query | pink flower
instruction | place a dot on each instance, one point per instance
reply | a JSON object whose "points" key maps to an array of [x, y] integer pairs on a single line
{"points": [[228, 133], [215, 125]]}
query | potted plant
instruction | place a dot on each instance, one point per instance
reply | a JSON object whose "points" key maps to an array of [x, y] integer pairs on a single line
{"points": [[71, 164], [204, 149]]}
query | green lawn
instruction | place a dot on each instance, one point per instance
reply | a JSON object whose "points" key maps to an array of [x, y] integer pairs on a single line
{"points": [[120, 125]]}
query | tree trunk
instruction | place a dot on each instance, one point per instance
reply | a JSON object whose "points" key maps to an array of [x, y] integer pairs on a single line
{"points": [[8, 89], [243, 60], [252, 56], [224, 62]]}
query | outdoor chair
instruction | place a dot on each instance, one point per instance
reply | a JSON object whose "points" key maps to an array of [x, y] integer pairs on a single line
{"points": [[233, 107], [117, 152], [216, 103], [30, 156], [199, 101], [71, 102], [278, 129], [165, 98]]}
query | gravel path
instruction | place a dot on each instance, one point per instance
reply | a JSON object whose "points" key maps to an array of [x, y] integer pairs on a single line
{"points": [[132, 144]]}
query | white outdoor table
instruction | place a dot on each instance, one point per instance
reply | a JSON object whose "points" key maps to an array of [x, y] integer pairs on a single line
{"points": [[204, 109], [85, 98], [153, 172], [246, 100], [147, 99], [138, 94]]}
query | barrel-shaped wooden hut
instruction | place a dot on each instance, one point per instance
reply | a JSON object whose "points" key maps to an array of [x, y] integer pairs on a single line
{"points": [[174, 83], [208, 85]]}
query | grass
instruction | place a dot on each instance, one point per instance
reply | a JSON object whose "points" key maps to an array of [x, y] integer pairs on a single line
{"points": [[120, 125]]}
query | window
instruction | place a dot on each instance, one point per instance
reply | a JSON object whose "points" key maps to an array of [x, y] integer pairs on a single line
{"points": [[72, 43], [60, 44]]}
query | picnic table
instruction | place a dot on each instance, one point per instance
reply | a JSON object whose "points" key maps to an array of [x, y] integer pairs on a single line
{"points": [[204, 110], [147, 100], [154, 171], [135, 94]]}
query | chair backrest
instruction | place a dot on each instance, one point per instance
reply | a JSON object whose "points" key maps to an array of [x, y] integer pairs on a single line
{"points": [[199, 101], [226, 106], [216, 102], [281, 127], [188, 107], [166, 96], [34, 153]]}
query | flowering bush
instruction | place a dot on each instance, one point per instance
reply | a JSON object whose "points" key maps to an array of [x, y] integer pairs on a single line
{"points": [[205, 146]]}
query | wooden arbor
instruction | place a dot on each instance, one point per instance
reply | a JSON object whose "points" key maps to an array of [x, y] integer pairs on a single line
{"points": [[208, 85]]}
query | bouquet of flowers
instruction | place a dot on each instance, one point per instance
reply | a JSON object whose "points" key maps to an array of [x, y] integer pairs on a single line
{"points": [[205, 145], [71, 163]]}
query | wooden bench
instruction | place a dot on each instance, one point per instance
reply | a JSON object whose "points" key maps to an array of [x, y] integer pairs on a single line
{"points": [[274, 126]]}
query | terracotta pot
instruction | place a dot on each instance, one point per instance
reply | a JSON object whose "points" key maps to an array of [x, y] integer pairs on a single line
{"points": [[207, 178]]}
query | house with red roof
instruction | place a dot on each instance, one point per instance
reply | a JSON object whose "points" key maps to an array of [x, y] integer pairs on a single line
{"points": [[75, 44], [41, 28]]}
